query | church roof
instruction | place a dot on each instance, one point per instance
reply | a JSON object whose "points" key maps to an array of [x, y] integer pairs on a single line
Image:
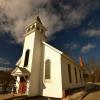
{"points": [[18, 62], [60, 52], [20, 71]]}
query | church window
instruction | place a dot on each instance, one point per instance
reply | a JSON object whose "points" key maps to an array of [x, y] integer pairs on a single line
{"points": [[80, 75], [75, 74], [47, 69], [33, 26], [28, 29], [38, 28], [26, 58], [69, 73], [41, 30]]}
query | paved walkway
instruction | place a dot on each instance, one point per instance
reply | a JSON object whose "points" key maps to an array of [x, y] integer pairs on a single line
{"points": [[93, 96], [91, 92]]}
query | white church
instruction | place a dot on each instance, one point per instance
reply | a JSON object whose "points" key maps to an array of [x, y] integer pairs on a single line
{"points": [[43, 70]]}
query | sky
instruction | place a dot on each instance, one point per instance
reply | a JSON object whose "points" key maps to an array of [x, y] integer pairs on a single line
{"points": [[73, 26]]}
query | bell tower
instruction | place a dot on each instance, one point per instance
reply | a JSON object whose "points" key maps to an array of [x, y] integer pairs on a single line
{"points": [[32, 53], [36, 26], [35, 34]]}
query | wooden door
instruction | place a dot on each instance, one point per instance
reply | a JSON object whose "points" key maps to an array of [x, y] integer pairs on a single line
{"points": [[22, 86]]}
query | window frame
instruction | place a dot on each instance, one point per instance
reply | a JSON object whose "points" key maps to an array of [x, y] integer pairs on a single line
{"points": [[47, 65], [76, 77], [26, 59], [69, 73]]}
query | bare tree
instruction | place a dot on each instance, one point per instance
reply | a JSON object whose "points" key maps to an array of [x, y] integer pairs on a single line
{"points": [[5, 80], [93, 66]]}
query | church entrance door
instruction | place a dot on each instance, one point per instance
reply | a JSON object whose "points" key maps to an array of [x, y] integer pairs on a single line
{"points": [[22, 85]]}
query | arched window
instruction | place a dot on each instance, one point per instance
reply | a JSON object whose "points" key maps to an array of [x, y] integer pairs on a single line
{"points": [[33, 26], [38, 28], [47, 69], [28, 29], [26, 58]]}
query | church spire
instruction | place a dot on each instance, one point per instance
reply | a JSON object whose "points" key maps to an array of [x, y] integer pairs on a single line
{"points": [[38, 19], [36, 25]]}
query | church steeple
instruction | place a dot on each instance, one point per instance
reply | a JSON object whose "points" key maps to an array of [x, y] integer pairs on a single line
{"points": [[35, 34], [38, 19], [36, 26]]}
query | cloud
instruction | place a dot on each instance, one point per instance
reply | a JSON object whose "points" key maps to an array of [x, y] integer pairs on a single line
{"points": [[5, 68], [72, 45], [55, 15], [87, 48], [92, 33], [4, 61], [15, 15], [77, 10]]}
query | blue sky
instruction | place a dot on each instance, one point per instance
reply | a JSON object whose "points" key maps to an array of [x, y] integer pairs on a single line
{"points": [[73, 26]]}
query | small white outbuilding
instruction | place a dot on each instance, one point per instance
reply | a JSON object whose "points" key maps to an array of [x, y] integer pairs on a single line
{"points": [[42, 69]]}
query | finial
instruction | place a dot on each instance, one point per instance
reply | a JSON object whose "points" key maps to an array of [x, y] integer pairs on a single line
{"points": [[38, 19]]}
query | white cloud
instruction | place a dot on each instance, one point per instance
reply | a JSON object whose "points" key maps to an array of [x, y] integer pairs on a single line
{"points": [[16, 14], [73, 15], [72, 45], [5, 68], [4, 61], [92, 33], [87, 48]]}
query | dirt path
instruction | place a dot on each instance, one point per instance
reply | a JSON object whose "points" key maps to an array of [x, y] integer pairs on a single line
{"points": [[9, 95], [19, 97]]}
